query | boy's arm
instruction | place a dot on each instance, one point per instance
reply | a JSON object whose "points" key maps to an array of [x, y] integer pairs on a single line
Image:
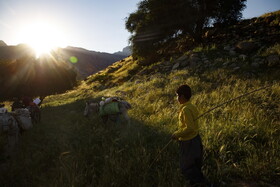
{"points": [[188, 121]]}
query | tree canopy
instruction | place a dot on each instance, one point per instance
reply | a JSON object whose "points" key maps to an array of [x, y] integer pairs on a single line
{"points": [[156, 22], [28, 76]]}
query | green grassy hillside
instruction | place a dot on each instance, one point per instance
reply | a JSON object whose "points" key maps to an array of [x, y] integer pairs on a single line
{"points": [[241, 139]]}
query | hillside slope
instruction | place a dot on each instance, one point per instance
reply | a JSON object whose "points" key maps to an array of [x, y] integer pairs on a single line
{"points": [[241, 139]]}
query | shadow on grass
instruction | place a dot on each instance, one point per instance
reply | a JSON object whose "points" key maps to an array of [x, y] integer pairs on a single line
{"points": [[66, 149]]}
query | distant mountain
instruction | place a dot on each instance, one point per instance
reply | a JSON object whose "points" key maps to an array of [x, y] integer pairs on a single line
{"points": [[2, 43], [125, 52], [88, 62], [9, 53]]}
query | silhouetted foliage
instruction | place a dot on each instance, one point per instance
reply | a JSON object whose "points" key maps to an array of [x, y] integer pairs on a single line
{"points": [[34, 77], [157, 22]]}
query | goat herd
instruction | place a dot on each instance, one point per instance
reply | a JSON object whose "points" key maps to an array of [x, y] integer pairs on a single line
{"points": [[13, 124]]}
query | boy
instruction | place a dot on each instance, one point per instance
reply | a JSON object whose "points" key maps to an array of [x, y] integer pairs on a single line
{"points": [[191, 149]]}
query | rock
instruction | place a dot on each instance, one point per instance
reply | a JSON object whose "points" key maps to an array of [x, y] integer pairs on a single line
{"points": [[219, 60], [258, 60], [273, 60], [255, 65], [194, 61], [246, 47], [184, 63], [261, 62], [225, 64], [232, 53], [234, 59], [206, 62], [194, 55], [243, 57], [166, 68], [166, 63], [182, 58], [227, 48], [236, 68], [176, 66], [204, 59], [233, 65]]}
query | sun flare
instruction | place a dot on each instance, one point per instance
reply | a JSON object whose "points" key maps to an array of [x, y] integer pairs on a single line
{"points": [[42, 37]]}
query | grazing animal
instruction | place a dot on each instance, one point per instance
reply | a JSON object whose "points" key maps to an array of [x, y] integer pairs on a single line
{"points": [[9, 128], [94, 108]]}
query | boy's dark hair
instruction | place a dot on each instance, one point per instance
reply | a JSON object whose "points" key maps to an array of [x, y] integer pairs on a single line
{"points": [[184, 90]]}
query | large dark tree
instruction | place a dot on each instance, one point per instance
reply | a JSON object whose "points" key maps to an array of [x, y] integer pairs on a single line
{"points": [[156, 22]]}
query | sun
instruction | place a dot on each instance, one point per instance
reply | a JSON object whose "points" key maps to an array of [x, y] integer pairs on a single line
{"points": [[42, 37]]}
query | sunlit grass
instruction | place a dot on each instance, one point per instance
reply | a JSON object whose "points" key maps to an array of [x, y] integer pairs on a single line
{"points": [[275, 49], [241, 139], [275, 13]]}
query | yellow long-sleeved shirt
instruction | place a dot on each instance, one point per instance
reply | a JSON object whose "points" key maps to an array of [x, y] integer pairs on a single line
{"points": [[188, 126]]}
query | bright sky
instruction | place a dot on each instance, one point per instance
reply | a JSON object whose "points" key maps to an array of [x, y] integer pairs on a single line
{"points": [[97, 25]]}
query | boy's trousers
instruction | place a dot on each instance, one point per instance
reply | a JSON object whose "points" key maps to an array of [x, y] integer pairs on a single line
{"points": [[191, 155]]}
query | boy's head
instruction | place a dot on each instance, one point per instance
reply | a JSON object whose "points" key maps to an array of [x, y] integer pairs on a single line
{"points": [[184, 93]]}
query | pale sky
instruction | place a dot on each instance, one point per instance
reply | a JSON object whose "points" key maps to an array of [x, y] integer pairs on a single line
{"points": [[97, 25]]}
